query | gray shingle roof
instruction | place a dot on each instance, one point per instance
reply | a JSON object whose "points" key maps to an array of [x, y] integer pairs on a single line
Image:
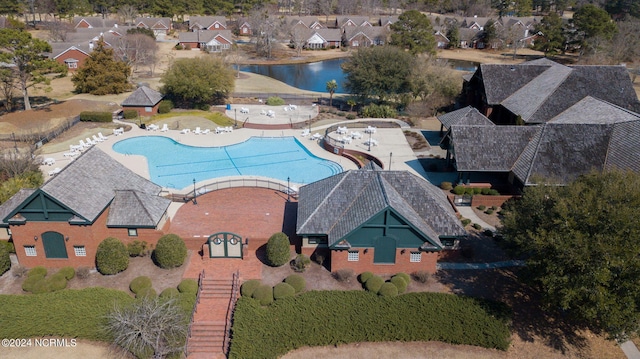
{"points": [[337, 205], [88, 184], [136, 209], [13, 202], [624, 147], [464, 116], [501, 81], [143, 96]]}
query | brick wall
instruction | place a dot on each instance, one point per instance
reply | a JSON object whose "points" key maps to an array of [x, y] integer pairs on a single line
{"points": [[489, 201], [142, 110], [428, 262]]}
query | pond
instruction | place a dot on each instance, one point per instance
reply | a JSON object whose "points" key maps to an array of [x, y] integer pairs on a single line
{"points": [[314, 76]]}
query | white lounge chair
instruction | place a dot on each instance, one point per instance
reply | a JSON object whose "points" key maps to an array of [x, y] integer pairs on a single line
{"points": [[263, 112], [197, 131], [370, 129], [103, 137], [316, 136], [164, 128], [71, 154], [219, 130], [96, 139], [75, 148], [205, 131], [90, 141], [55, 171], [341, 130], [305, 132], [228, 129], [185, 131], [84, 145], [293, 107], [153, 127], [48, 161]]}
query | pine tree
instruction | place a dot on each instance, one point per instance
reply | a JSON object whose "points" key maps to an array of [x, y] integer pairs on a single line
{"points": [[102, 74]]}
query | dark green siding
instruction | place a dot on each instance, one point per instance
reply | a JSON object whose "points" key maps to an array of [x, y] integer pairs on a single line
{"points": [[42, 208], [386, 224], [384, 250], [54, 245]]}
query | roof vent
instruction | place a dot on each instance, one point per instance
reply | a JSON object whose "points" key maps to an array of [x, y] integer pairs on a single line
{"points": [[513, 68]]}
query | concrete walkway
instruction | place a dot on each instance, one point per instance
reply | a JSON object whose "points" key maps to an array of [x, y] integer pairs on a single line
{"points": [[467, 212], [493, 265], [630, 350]]}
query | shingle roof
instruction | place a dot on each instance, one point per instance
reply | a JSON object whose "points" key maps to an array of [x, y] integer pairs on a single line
{"points": [[465, 116], [206, 21], [88, 184], [15, 200], [329, 34], [143, 96], [337, 205], [135, 209], [501, 81]]}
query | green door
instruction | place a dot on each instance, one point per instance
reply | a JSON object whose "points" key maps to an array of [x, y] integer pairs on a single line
{"points": [[54, 245], [385, 250]]}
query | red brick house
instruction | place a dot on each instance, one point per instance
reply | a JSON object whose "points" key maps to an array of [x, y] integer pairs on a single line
{"points": [[244, 27], [72, 57], [378, 221], [63, 222], [207, 40], [197, 23], [144, 100]]}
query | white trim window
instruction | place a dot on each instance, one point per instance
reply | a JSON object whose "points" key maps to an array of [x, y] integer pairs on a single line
{"points": [[353, 256], [30, 251], [133, 232], [80, 251], [415, 257]]}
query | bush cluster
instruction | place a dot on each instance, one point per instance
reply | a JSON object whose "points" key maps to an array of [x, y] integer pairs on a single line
{"points": [[38, 282], [275, 101], [297, 282], [165, 106], [388, 289], [379, 111], [270, 332], [112, 256], [139, 283], [129, 114], [93, 116], [283, 290], [247, 288], [170, 251], [373, 284], [264, 294], [278, 250], [460, 190], [5, 260], [447, 186], [364, 277], [170, 293], [300, 263], [137, 248]]}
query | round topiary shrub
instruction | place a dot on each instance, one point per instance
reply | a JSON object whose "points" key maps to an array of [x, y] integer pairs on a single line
{"points": [[465, 222], [112, 256], [481, 207], [139, 283], [264, 294], [31, 282], [278, 250], [170, 251], [5, 260], [188, 286], [374, 283], [147, 292], [275, 101], [169, 293], [67, 272], [405, 276], [41, 286], [447, 186], [38, 271], [297, 282], [283, 290], [56, 282], [388, 290], [364, 277], [458, 190], [247, 288], [400, 283]]}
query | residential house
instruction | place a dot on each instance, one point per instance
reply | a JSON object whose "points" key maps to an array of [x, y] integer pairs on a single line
{"points": [[343, 22], [161, 26], [207, 40], [71, 56], [365, 36], [244, 27], [90, 22], [442, 42], [143, 100], [62, 223], [197, 23], [323, 38], [387, 21], [378, 221], [310, 22]]}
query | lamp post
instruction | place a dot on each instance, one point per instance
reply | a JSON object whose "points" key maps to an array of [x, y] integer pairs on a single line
{"points": [[288, 189], [194, 192], [369, 141], [390, 156], [235, 111], [309, 123]]}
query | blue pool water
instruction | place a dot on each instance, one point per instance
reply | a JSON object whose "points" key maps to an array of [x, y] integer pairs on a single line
{"points": [[174, 165]]}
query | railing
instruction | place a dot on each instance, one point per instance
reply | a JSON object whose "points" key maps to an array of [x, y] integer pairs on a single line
{"points": [[230, 308], [193, 313], [39, 138], [308, 97], [233, 182]]}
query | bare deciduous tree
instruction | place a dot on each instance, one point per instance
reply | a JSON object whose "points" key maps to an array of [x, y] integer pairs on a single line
{"points": [[137, 50], [59, 30], [8, 83], [149, 327], [299, 35], [267, 31], [127, 13]]}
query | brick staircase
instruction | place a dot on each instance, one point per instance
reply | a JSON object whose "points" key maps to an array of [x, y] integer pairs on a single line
{"points": [[212, 317]]}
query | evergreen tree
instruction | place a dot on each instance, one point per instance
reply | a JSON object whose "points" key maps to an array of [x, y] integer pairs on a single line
{"points": [[102, 74], [552, 38], [413, 31]]}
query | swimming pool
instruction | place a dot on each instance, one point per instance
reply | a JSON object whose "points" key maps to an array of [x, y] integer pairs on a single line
{"points": [[175, 165]]}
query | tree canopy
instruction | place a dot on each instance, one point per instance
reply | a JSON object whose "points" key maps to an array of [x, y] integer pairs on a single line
{"points": [[102, 74], [413, 31], [380, 72], [581, 246], [31, 67], [552, 39], [197, 82], [593, 21]]}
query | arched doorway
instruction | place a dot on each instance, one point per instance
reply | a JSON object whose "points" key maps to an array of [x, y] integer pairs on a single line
{"points": [[54, 247], [225, 245]]}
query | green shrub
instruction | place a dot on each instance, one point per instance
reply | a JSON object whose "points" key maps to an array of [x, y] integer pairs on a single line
{"points": [[137, 248], [405, 276], [379, 111], [188, 286], [489, 211], [38, 271], [447, 186], [93, 116], [111, 257], [5, 259], [482, 207], [476, 226], [31, 282], [169, 293], [389, 289], [139, 283], [364, 277], [494, 208], [9, 245], [275, 101], [170, 251], [340, 113], [264, 294], [469, 191], [400, 284], [129, 114], [283, 290], [477, 190], [56, 282], [297, 282], [373, 284], [41, 286], [83, 272], [458, 190], [465, 222], [165, 106], [179, 47], [147, 292], [247, 288], [485, 191], [300, 263], [350, 116], [67, 272], [278, 250], [421, 276], [493, 192]]}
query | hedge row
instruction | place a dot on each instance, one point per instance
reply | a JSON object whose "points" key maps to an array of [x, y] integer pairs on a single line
{"points": [[358, 316], [92, 116]]}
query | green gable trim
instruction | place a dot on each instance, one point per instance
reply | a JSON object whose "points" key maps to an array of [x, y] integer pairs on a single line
{"points": [[41, 207]]}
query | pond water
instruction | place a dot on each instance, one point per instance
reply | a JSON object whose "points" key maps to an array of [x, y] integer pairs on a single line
{"points": [[314, 76]]}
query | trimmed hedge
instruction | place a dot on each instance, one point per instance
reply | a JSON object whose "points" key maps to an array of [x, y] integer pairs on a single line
{"points": [[264, 294], [94, 116], [67, 272], [283, 290], [270, 332], [5, 260], [146, 292], [38, 271], [278, 250], [66, 313], [129, 114], [247, 288], [188, 286], [400, 283], [364, 277], [297, 282], [139, 283], [170, 251], [405, 276], [275, 101], [170, 293], [388, 289], [111, 257], [373, 284]]}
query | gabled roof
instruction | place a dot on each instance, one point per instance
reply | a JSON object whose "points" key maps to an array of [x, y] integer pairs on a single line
{"points": [[205, 36], [307, 21], [12, 203], [143, 96], [329, 34], [465, 116], [204, 22], [155, 23], [342, 21], [61, 49], [94, 22], [88, 184], [337, 205], [371, 32], [135, 209]]}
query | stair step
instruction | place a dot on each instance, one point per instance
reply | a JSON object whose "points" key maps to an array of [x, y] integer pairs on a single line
{"points": [[206, 339]]}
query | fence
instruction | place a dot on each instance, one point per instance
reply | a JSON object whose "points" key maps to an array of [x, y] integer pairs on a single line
{"points": [[224, 183], [299, 98], [39, 138]]}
